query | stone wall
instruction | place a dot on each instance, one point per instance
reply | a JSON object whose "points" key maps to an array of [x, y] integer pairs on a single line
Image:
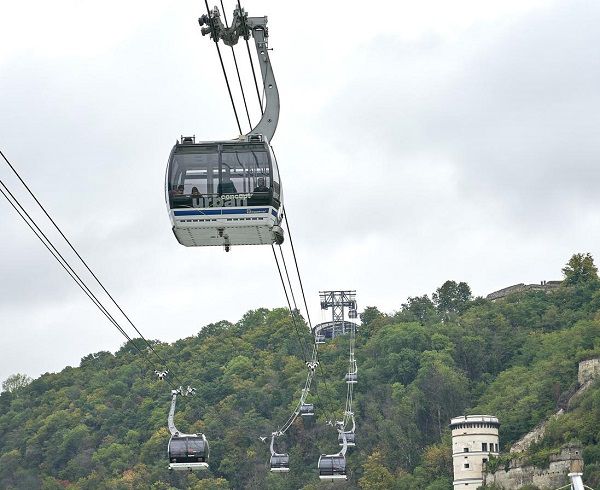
{"points": [[518, 288], [569, 460], [535, 435], [555, 476], [588, 370]]}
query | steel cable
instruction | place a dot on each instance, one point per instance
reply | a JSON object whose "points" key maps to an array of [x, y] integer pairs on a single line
{"points": [[237, 70], [251, 62], [71, 246], [42, 237], [216, 39]]}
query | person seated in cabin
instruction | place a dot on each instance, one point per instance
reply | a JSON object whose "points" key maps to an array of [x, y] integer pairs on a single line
{"points": [[226, 186], [261, 187], [196, 198], [179, 199]]}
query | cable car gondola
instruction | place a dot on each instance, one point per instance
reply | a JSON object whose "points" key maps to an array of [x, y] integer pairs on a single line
{"points": [[280, 462], [332, 467], [307, 410], [187, 452], [350, 438], [352, 376], [229, 192], [350, 435]]}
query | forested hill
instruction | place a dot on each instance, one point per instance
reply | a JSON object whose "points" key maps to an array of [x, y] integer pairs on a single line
{"points": [[103, 424]]}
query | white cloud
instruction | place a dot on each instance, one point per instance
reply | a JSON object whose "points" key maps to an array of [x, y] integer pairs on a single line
{"points": [[418, 142]]}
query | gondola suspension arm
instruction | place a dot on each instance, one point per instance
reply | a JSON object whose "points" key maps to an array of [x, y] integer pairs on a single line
{"points": [[244, 26], [171, 419]]}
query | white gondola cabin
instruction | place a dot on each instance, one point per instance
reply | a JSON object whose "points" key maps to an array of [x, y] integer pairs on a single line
{"points": [[224, 193], [229, 192]]}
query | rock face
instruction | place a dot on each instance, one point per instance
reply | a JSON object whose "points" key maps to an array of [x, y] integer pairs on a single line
{"points": [[534, 435], [589, 370], [569, 460]]}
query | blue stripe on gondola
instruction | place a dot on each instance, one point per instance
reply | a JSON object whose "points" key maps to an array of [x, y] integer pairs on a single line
{"points": [[274, 213], [213, 212]]}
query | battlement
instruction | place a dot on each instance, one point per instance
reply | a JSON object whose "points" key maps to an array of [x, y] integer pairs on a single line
{"points": [[521, 287]]}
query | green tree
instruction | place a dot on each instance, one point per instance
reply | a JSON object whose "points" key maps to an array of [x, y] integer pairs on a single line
{"points": [[439, 393], [451, 298], [437, 459], [375, 475], [580, 269], [419, 308], [370, 314], [15, 382]]}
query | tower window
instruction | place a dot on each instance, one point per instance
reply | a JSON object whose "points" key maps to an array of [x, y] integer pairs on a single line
{"points": [[465, 449], [466, 466], [484, 446]]}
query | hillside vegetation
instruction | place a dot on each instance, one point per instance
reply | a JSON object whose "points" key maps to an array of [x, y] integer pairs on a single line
{"points": [[102, 425]]}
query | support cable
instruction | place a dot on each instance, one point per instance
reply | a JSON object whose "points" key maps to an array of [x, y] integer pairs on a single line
{"points": [[72, 247], [237, 70], [16, 205], [251, 62], [314, 357], [315, 346], [288, 280], [297, 268], [216, 39], [300, 340], [312, 364]]}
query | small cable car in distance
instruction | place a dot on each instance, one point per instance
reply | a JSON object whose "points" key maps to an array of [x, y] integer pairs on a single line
{"points": [[279, 462], [187, 452], [332, 467], [229, 192], [307, 410], [350, 435]]}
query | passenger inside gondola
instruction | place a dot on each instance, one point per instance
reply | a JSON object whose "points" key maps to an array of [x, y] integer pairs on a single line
{"points": [[261, 187], [226, 186], [237, 168], [179, 199]]}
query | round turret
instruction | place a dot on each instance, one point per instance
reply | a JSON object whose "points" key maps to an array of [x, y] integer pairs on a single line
{"points": [[474, 440]]}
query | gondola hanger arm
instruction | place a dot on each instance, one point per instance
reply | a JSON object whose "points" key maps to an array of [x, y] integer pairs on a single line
{"points": [[244, 26], [171, 419]]}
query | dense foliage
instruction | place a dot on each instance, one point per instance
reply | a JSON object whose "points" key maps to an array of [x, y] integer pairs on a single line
{"points": [[103, 424]]}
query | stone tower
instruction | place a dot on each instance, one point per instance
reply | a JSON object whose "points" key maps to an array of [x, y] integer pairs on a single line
{"points": [[474, 439]]}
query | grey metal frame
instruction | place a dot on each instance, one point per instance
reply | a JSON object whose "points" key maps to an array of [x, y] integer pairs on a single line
{"points": [[176, 433], [244, 26]]}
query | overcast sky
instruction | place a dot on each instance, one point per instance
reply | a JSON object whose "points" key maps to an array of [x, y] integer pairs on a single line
{"points": [[418, 142]]}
